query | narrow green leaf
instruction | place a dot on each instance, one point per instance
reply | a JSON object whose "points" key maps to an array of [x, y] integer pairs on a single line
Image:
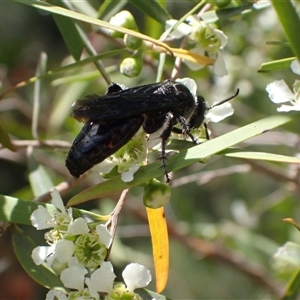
{"points": [[153, 9], [293, 289], [290, 22], [23, 247], [276, 65], [15, 210], [70, 34], [5, 140], [149, 295], [225, 13], [39, 179], [265, 156], [110, 8], [184, 158], [90, 20]]}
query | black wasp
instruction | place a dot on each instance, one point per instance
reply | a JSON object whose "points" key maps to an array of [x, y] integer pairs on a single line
{"points": [[113, 119]]}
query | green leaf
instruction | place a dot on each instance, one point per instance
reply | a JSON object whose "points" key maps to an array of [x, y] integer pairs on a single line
{"points": [[90, 20], [23, 247], [276, 65], [184, 158], [5, 140], [264, 156], [287, 261], [153, 9], [149, 295], [290, 22], [222, 14], [70, 34], [293, 288], [110, 8], [15, 210], [39, 179]]}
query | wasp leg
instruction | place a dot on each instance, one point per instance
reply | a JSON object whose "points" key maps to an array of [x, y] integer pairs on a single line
{"points": [[186, 129], [206, 131], [166, 132]]}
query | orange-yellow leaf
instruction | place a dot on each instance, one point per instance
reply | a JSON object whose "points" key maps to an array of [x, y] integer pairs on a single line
{"points": [[160, 246]]}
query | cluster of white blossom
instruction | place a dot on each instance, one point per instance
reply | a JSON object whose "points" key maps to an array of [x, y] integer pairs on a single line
{"points": [[279, 92], [77, 251]]}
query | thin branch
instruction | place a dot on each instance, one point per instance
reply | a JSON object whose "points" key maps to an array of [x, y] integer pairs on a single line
{"points": [[113, 222], [40, 144]]}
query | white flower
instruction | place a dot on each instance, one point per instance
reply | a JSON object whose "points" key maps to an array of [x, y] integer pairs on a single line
{"points": [[61, 251], [41, 218], [102, 279], [203, 39], [129, 158], [54, 294], [279, 92], [136, 276]]}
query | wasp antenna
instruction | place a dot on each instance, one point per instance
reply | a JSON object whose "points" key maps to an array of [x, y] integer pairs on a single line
{"points": [[225, 100]]}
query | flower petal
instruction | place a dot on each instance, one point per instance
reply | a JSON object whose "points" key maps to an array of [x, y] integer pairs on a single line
{"points": [[279, 92], [54, 294], [222, 37], [287, 108], [73, 277], [104, 235], [102, 279], [219, 67], [64, 250], [218, 113], [128, 175], [295, 66], [41, 219], [189, 83], [181, 31], [78, 226], [136, 276], [40, 253], [57, 201]]}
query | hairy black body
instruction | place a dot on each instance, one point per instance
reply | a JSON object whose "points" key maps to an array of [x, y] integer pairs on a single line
{"points": [[113, 119]]}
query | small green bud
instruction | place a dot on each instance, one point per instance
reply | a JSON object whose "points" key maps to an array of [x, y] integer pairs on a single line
{"points": [[156, 194], [131, 66], [123, 19], [132, 42]]}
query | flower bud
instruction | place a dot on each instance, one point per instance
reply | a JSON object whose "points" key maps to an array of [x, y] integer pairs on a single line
{"points": [[132, 42], [156, 194], [131, 66], [123, 19]]}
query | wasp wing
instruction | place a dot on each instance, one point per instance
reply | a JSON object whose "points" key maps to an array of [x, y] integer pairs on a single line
{"points": [[147, 99]]}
